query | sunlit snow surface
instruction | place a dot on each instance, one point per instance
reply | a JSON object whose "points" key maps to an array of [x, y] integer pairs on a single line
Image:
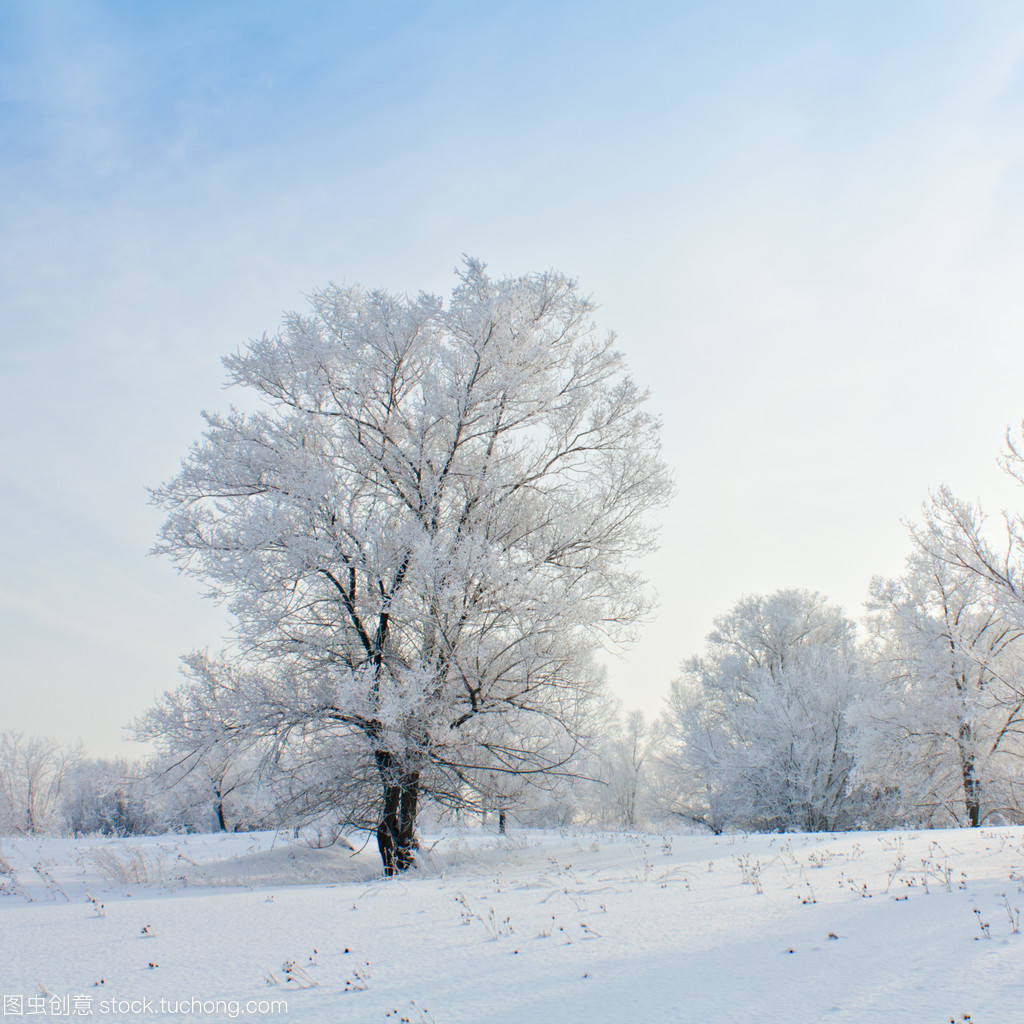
{"points": [[536, 926]]}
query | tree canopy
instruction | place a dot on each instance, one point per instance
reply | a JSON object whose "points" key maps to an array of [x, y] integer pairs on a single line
{"points": [[422, 533]]}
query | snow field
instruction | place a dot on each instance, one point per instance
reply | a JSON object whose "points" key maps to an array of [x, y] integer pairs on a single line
{"points": [[536, 926]]}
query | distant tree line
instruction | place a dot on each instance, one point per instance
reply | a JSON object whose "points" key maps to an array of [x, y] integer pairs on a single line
{"points": [[793, 718]]}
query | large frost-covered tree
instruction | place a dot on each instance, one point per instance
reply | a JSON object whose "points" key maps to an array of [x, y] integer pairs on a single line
{"points": [[424, 530], [759, 729]]}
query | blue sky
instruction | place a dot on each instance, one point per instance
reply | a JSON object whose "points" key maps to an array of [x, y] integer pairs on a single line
{"points": [[803, 220]]}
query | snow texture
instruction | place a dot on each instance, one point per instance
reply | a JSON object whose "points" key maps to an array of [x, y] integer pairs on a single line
{"points": [[535, 926]]}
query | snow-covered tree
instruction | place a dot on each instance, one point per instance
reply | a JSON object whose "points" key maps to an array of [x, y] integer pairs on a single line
{"points": [[214, 766], [424, 530], [950, 718], [109, 797], [627, 763], [758, 728], [616, 788], [34, 771], [958, 533]]}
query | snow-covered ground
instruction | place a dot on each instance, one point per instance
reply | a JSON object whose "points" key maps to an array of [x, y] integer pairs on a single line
{"points": [[534, 927]]}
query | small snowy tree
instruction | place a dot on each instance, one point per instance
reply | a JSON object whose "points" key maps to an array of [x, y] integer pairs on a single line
{"points": [[617, 793], [204, 754], [627, 763], [425, 530], [758, 728], [34, 771]]}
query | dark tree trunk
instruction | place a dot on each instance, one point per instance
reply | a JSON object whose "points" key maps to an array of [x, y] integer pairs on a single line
{"points": [[219, 805], [501, 821], [396, 833], [972, 794], [972, 784]]}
